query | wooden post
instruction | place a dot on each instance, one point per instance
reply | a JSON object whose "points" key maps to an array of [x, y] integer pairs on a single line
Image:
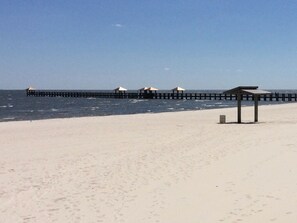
{"points": [[238, 108], [256, 107]]}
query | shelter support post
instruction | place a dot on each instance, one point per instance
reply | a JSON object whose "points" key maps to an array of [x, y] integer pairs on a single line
{"points": [[256, 107], [238, 108]]}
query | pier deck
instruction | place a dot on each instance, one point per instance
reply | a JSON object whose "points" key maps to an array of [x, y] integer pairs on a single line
{"points": [[154, 95]]}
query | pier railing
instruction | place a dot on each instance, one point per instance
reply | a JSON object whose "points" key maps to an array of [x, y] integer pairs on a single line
{"points": [[153, 95]]}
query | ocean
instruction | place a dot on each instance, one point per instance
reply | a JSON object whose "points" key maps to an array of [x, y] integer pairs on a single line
{"points": [[16, 106]]}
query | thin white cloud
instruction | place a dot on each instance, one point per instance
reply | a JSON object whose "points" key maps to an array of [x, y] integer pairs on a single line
{"points": [[118, 25], [166, 68]]}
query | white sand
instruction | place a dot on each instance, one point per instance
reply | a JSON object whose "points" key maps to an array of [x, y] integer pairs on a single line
{"points": [[172, 167]]}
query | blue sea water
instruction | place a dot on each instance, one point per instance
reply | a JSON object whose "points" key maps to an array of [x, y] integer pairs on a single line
{"points": [[15, 106]]}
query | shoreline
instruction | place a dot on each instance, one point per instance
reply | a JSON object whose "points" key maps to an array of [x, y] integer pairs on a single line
{"points": [[146, 113], [158, 167]]}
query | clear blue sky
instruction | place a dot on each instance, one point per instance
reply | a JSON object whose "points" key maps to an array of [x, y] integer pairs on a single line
{"points": [[196, 44]]}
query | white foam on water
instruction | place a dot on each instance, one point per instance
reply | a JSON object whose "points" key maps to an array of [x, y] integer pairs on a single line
{"points": [[133, 101], [8, 118], [94, 108]]}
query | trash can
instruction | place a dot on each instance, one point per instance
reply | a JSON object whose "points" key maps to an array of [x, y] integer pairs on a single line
{"points": [[222, 119]]}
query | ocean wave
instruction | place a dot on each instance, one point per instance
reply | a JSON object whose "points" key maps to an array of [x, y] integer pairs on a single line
{"points": [[133, 101], [8, 118], [94, 108]]}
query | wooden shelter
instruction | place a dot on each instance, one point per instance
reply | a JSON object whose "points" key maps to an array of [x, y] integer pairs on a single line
{"points": [[142, 90], [178, 90], [30, 89], [148, 89], [120, 90], [151, 89], [148, 92], [247, 90]]}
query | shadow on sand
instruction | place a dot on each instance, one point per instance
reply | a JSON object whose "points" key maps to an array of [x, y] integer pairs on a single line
{"points": [[242, 123]]}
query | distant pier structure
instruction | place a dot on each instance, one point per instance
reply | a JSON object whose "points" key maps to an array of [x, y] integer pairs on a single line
{"points": [[179, 91], [120, 92], [148, 92], [154, 93]]}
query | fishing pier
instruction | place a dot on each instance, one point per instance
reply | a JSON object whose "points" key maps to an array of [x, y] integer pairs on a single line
{"points": [[154, 94]]}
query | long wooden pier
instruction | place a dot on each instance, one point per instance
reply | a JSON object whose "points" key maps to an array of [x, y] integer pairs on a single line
{"points": [[154, 95]]}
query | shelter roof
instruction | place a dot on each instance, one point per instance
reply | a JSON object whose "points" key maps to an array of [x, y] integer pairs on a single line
{"points": [[178, 89], [253, 90], [120, 89], [152, 89]]}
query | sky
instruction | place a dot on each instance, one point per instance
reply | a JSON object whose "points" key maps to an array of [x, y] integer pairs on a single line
{"points": [[102, 44]]}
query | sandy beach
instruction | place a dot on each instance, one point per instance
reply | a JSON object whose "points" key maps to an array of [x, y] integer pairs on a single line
{"points": [[178, 167]]}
